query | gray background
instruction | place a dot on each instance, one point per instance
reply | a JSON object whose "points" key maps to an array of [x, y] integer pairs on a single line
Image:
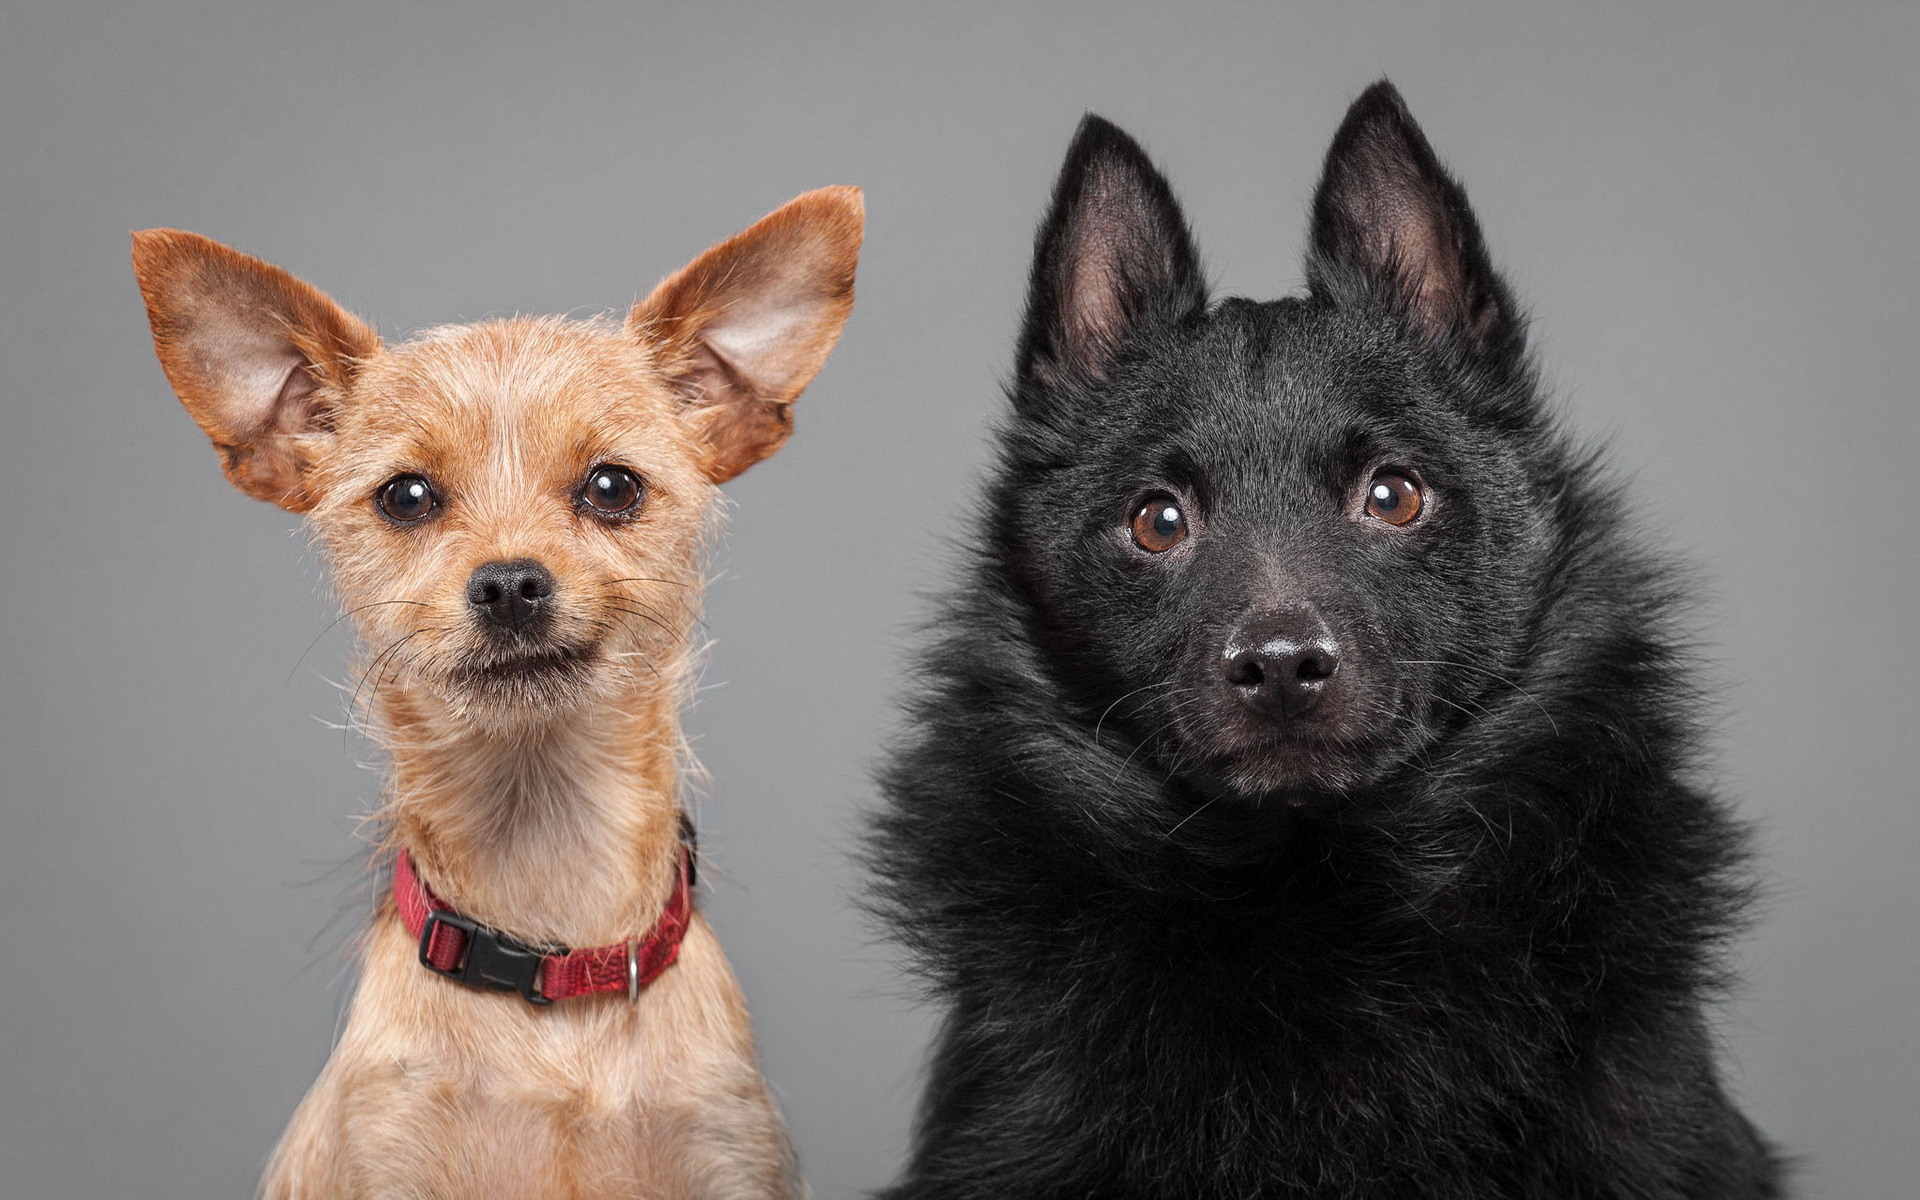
{"points": [[1709, 208]]}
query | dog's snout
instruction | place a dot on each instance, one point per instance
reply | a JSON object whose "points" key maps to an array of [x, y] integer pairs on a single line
{"points": [[1280, 666], [511, 595]]}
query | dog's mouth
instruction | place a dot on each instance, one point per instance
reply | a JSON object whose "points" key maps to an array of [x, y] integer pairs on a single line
{"points": [[1294, 768], [539, 675], [1239, 756]]}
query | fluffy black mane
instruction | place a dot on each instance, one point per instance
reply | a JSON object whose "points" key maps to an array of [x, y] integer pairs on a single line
{"points": [[1486, 941]]}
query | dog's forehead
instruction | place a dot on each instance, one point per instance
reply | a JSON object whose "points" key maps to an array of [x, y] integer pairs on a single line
{"points": [[1320, 359], [1259, 373], [533, 389]]}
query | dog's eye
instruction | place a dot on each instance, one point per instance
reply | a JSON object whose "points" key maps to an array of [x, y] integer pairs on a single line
{"points": [[406, 498], [1159, 525], [611, 491], [1394, 498]]}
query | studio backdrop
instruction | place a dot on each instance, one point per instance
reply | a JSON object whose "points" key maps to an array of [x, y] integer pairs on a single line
{"points": [[1707, 208]]}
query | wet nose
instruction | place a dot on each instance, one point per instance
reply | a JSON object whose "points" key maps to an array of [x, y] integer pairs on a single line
{"points": [[1279, 666], [511, 595]]}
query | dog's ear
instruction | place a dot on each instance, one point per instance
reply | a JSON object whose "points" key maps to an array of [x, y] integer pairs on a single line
{"points": [[1113, 257], [745, 326], [252, 352], [1389, 218]]}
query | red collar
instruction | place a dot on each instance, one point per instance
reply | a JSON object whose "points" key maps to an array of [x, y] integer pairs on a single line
{"points": [[482, 957]]}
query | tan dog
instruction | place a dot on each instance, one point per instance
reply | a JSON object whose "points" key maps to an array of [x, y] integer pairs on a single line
{"points": [[515, 513]]}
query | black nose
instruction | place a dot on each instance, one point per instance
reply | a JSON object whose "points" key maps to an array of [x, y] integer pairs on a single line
{"points": [[511, 595], [1280, 666]]}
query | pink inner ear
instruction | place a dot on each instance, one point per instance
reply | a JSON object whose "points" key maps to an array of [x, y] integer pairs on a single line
{"points": [[754, 317], [761, 340], [1409, 236], [1420, 255], [260, 380], [1092, 309]]}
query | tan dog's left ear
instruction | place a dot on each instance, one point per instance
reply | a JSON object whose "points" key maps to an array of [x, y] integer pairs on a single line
{"points": [[748, 324]]}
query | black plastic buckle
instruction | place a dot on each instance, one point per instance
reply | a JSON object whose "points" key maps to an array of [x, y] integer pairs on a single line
{"points": [[491, 960]]}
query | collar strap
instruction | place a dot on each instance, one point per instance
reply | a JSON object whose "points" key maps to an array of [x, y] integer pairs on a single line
{"points": [[480, 956]]}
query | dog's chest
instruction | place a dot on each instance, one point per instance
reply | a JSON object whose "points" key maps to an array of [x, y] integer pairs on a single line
{"points": [[443, 1091]]}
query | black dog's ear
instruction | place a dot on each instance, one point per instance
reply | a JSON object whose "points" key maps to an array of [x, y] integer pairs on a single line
{"points": [[1113, 257], [1388, 210]]}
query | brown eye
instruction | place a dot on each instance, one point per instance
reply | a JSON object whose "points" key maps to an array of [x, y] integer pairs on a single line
{"points": [[406, 498], [1394, 498], [611, 491], [1159, 525]]}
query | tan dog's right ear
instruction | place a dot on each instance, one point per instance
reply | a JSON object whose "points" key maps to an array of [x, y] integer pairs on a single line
{"points": [[247, 347], [748, 324]]}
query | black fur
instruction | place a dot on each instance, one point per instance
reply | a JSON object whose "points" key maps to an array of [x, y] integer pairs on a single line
{"points": [[1449, 934]]}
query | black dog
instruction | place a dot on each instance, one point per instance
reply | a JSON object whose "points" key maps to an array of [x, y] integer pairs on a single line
{"points": [[1301, 801]]}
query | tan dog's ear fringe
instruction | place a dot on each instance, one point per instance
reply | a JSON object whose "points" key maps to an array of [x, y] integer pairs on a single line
{"points": [[744, 327]]}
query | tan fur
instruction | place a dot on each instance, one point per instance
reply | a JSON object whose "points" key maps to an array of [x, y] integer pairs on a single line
{"points": [[545, 807]]}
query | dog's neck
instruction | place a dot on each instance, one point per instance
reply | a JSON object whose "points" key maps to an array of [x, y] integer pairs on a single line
{"points": [[562, 829]]}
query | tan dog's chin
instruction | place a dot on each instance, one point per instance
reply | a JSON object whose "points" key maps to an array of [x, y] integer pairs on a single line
{"points": [[525, 690]]}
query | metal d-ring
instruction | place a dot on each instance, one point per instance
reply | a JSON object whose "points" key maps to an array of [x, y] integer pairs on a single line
{"points": [[633, 972]]}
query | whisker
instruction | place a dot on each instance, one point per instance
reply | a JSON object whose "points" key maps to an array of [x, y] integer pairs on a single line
{"points": [[1427, 662], [645, 616], [1197, 697], [343, 616], [402, 410], [1135, 692], [644, 661], [624, 598], [648, 579], [354, 705], [1190, 816]]}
